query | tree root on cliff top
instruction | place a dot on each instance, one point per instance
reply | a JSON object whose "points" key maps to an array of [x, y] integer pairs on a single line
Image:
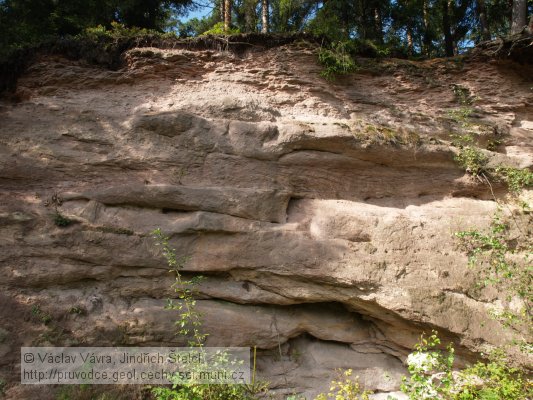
{"points": [[518, 47]]}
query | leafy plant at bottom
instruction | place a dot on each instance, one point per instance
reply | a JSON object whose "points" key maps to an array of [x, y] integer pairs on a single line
{"points": [[202, 392], [345, 388], [189, 320], [189, 324], [431, 376], [422, 364]]}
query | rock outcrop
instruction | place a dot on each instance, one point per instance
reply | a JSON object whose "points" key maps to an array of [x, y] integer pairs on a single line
{"points": [[320, 214]]}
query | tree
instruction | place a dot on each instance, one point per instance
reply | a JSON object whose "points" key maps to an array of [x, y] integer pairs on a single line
{"points": [[482, 17], [227, 15], [427, 32], [416, 27], [448, 41], [26, 22], [245, 15], [519, 15], [149, 14], [264, 16]]}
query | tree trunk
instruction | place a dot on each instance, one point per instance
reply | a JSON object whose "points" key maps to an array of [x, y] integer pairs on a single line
{"points": [[250, 17], [519, 15], [483, 23], [378, 23], [448, 40], [264, 14], [427, 38], [222, 6], [227, 15], [410, 48], [361, 20]]}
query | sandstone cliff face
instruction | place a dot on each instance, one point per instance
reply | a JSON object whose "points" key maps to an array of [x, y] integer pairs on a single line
{"points": [[326, 239]]}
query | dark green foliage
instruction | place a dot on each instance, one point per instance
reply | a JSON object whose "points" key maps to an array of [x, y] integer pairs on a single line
{"points": [[337, 57], [149, 14], [115, 230], [61, 221], [28, 22], [462, 95], [290, 15], [41, 315], [336, 60], [78, 310]]}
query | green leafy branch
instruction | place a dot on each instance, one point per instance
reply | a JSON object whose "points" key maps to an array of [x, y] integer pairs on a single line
{"points": [[189, 320], [425, 362], [503, 262], [474, 161], [345, 388], [189, 323], [515, 178], [431, 376], [336, 60]]}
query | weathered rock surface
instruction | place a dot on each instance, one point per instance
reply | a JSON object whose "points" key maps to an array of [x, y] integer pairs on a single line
{"points": [[326, 240]]}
